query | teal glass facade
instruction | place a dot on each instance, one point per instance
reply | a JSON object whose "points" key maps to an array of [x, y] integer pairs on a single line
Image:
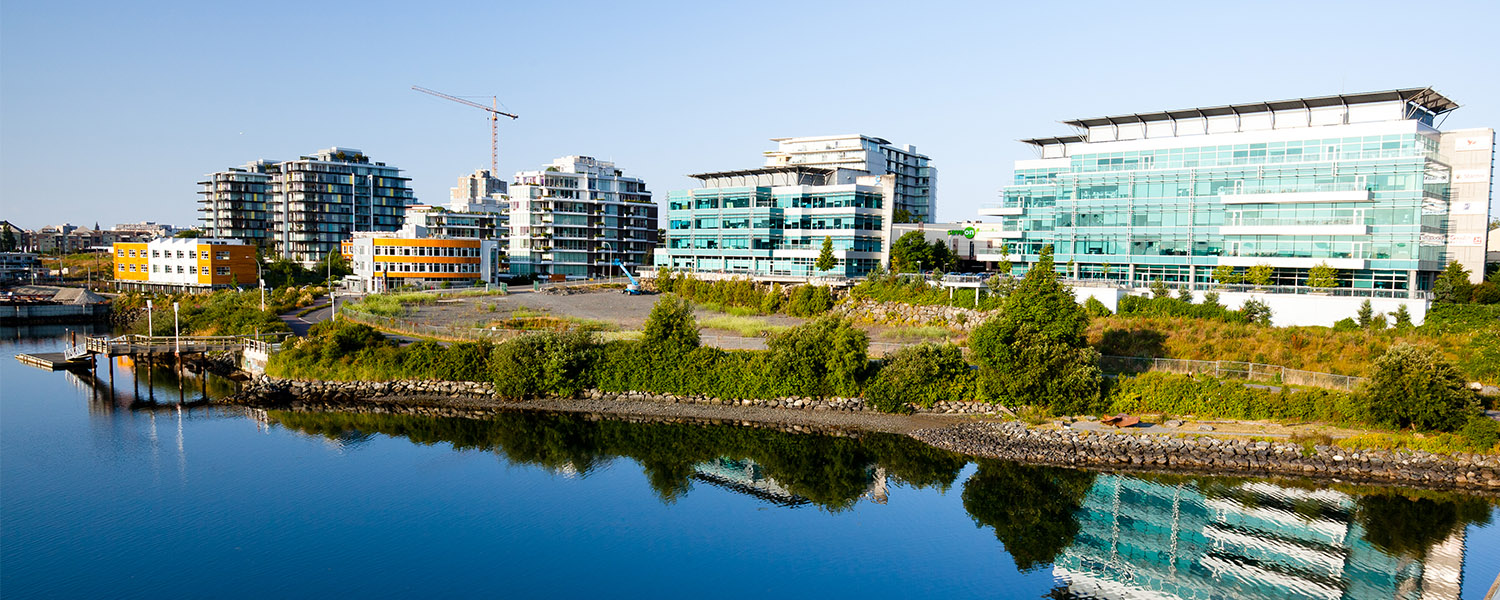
{"points": [[775, 230], [1174, 213]]}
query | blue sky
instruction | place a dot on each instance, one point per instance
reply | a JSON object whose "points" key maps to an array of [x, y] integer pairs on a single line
{"points": [[111, 112]]}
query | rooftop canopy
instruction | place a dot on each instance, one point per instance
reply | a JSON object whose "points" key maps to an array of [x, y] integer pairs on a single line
{"points": [[1052, 141], [1426, 98], [799, 170]]}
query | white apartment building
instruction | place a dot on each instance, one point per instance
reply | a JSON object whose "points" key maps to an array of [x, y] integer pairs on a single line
{"points": [[575, 217], [916, 178]]}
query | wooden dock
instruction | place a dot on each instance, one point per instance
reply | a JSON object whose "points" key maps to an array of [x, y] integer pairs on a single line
{"points": [[53, 361]]}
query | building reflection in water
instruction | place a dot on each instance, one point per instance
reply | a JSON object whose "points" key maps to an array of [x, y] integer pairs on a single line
{"points": [[745, 476], [1255, 540]]}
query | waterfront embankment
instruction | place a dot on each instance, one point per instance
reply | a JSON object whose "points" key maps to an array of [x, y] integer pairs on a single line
{"points": [[963, 427]]}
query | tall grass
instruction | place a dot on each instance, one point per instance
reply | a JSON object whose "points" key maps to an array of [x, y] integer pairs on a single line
{"points": [[1308, 348], [915, 334], [745, 326]]}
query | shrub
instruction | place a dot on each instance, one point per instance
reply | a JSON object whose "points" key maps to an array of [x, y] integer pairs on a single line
{"points": [[825, 357], [1481, 432], [1095, 308], [1415, 387], [921, 375], [1210, 397], [809, 301], [1345, 324], [671, 327], [539, 364]]}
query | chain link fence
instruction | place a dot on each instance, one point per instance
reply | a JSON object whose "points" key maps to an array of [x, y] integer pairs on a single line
{"points": [[1229, 369]]}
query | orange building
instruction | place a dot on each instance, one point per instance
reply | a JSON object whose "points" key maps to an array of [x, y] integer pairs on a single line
{"points": [[184, 264], [383, 260]]}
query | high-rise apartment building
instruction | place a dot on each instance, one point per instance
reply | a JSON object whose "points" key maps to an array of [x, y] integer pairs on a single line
{"points": [[301, 209], [915, 196], [1364, 183], [772, 221], [236, 203], [478, 192], [576, 217]]}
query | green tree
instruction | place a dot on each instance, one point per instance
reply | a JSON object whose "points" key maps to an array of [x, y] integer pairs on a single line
{"points": [[1225, 274], [1418, 388], [189, 233], [1323, 276], [1452, 285], [1256, 312], [1159, 288], [910, 252], [1034, 350], [8, 240], [1260, 275], [825, 260], [943, 259], [1365, 315], [1402, 317], [334, 265], [671, 328], [903, 216], [1004, 266]]}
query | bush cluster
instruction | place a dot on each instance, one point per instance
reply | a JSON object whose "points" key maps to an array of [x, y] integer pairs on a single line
{"points": [[882, 286], [1167, 306]]}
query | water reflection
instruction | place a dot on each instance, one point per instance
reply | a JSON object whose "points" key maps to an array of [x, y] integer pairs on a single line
{"points": [[1103, 535], [830, 472], [1206, 538]]}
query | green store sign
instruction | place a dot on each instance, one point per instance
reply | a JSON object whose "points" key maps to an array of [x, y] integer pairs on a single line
{"points": [[967, 232]]}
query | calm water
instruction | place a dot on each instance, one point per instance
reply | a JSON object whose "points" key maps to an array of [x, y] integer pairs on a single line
{"points": [[110, 495]]}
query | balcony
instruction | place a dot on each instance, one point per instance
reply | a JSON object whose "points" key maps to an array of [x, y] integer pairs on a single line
{"points": [[1000, 210], [1335, 192], [1334, 226]]}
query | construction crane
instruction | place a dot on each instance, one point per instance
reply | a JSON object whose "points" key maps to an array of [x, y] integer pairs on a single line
{"points": [[495, 114]]}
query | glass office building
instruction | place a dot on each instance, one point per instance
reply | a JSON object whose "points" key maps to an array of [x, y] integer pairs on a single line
{"points": [[773, 220], [1364, 183]]}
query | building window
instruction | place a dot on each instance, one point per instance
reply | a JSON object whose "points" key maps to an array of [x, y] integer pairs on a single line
{"points": [[192, 270], [179, 269], [122, 267], [120, 253], [221, 271], [221, 256]]}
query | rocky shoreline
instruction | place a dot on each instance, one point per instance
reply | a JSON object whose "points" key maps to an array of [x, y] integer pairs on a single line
{"points": [[266, 388], [950, 426], [1206, 454]]}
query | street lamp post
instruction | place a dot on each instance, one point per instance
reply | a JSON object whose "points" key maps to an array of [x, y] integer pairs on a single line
{"points": [[150, 331], [260, 276], [606, 257], [176, 331]]}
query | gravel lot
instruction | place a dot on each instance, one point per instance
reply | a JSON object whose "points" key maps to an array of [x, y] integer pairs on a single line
{"points": [[624, 312]]}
